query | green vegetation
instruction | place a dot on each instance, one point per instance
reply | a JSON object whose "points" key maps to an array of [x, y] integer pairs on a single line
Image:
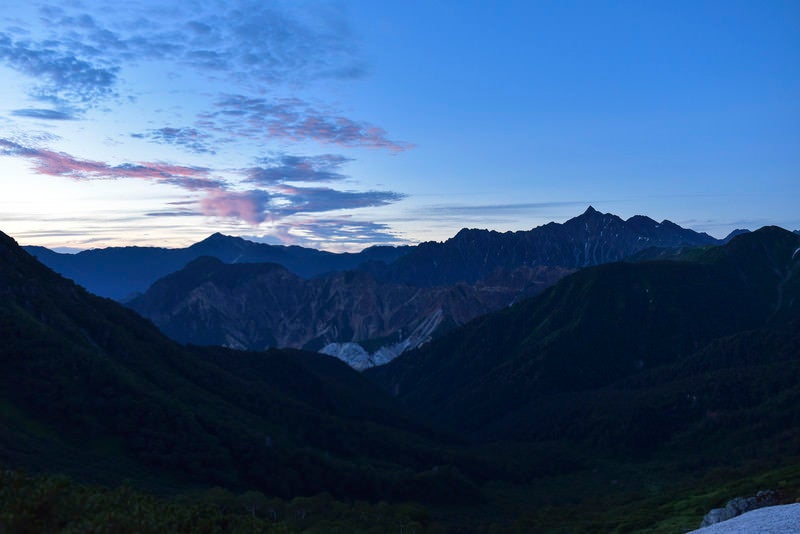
{"points": [[630, 397], [56, 504], [91, 389]]}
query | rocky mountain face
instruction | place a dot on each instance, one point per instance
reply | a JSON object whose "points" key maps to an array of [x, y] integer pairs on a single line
{"points": [[255, 306], [122, 272], [364, 308], [591, 238]]}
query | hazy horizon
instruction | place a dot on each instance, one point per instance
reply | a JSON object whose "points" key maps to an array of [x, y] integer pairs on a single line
{"points": [[257, 239]]}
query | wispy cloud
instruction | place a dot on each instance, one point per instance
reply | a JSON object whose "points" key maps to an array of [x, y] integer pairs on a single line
{"points": [[493, 209], [346, 230], [293, 119], [288, 168], [257, 41], [61, 77], [252, 207], [317, 199], [190, 139], [338, 234], [174, 213], [258, 205], [250, 42]]}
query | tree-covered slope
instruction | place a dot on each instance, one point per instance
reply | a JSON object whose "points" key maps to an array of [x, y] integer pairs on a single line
{"points": [[595, 328], [90, 388]]}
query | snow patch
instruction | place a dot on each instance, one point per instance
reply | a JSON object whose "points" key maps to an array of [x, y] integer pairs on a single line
{"points": [[796, 253], [352, 354], [769, 520]]}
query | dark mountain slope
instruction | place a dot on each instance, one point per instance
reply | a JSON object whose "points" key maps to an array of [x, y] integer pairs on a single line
{"points": [[733, 396], [120, 272], [589, 239], [595, 328], [255, 306], [89, 387]]}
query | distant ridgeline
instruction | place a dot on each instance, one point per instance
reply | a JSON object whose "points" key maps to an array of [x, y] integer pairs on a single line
{"points": [[364, 308], [589, 239], [123, 272]]}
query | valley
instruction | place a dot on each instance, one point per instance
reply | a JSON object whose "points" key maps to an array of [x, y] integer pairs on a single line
{"points": [[530, 391]]}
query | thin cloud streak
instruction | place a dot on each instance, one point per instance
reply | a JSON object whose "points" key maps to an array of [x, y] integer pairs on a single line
{"points": [[258, 205], [338, 234], [317, 199], [44, 114], [52, 163], [491, 209]]}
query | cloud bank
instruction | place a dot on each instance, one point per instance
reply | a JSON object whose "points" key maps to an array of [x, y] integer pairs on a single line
{"points": [[234, 62], [77, 60], [276, 201]]}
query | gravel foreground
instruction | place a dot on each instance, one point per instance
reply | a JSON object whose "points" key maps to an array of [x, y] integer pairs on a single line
{"points": [[783, 519]]}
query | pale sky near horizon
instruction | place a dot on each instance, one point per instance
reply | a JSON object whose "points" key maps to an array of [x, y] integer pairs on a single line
{"points": [[344, 124]]}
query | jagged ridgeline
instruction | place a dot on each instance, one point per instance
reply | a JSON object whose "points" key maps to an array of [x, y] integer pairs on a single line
{"points": [[366, 308], [472, 255]]}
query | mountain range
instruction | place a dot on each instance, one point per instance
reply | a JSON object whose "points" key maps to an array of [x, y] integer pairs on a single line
{"points": [[397, 300], [591, 238], [123, 272], [627, 396]]}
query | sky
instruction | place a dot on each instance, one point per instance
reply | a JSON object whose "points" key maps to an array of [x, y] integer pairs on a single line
{"points": [[340, 125]]}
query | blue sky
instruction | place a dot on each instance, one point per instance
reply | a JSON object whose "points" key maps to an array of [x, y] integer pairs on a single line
{"points": [[344, 124]]}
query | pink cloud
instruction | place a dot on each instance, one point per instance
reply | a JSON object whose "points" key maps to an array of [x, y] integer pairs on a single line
{"points": [[280, 200], [249, 206], [53, 163]]}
